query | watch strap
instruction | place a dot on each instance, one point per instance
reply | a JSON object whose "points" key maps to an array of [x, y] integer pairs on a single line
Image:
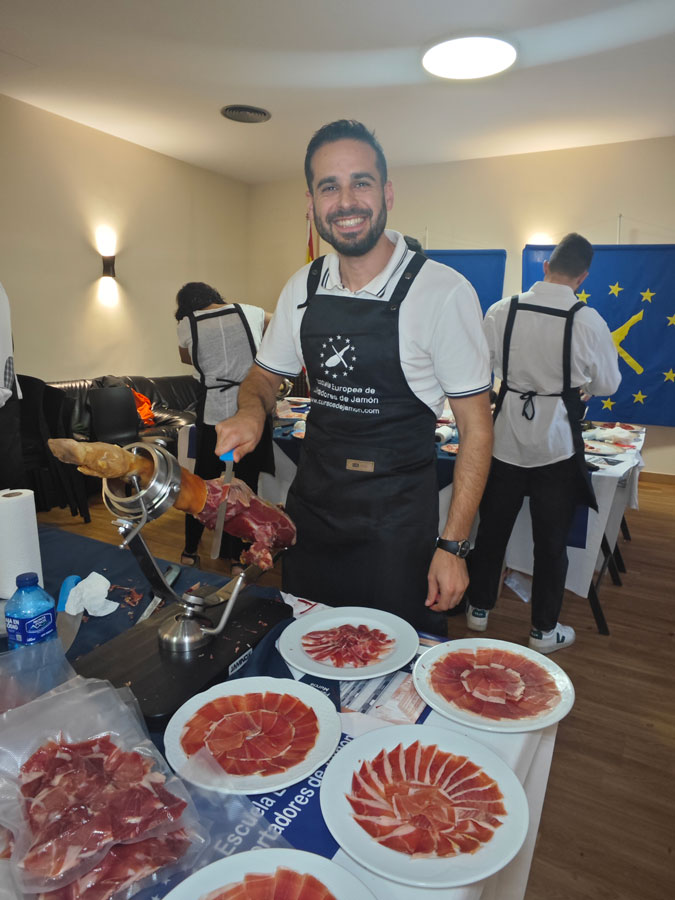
{"points": [[457, 548]]}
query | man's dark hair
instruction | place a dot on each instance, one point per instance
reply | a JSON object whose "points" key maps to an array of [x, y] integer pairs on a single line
{"points": [[572, 256], [344, 130], [195, 295]]}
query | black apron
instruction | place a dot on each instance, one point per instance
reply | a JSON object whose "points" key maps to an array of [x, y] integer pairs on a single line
{"points": [[365, 497], [570, 395], [262, 457]]}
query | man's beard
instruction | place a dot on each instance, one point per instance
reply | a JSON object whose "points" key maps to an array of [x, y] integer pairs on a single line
{"points": [[358, 246]]}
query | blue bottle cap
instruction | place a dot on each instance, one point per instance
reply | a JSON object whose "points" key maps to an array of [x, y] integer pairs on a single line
{"points": [[26, 579]]}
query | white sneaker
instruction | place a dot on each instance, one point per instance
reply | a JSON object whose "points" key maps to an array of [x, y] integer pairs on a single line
{"points": [[476, 619], [550, 641]]}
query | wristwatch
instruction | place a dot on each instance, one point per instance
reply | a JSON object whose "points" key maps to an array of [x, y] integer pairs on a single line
{"points": [[458, 548]]}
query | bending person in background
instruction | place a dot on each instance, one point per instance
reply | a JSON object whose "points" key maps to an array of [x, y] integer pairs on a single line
{"points": [[220, 340], [547, 347], [385, 335]]}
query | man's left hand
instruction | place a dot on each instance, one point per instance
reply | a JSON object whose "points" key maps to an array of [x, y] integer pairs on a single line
{"points": [[448, 579]]}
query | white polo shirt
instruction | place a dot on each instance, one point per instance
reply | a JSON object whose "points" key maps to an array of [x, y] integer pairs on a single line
{"points": [[535, 364], [441, 344]]}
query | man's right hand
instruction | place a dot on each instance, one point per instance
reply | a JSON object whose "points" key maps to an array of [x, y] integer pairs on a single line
{"points": [[241, 433]]}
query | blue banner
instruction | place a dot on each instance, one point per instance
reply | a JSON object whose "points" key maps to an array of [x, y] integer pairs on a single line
{"points": [[631, 286], [483, 268]]}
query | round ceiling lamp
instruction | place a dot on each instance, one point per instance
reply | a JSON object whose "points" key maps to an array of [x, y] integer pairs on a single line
{"points": [[469, 57]]}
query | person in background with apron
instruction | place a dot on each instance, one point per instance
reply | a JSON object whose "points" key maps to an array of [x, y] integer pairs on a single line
{"points": [[385, 336], [547, 347], [220, 340]]}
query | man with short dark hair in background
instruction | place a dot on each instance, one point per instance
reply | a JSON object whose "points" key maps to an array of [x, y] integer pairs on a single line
{"points": [[548, 348], [385, 335]]}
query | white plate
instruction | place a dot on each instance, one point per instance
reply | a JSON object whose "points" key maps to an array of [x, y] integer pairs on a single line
{"points": [[453, 871], [219, 874], [213, 778], [290, 642], [422, 671]]}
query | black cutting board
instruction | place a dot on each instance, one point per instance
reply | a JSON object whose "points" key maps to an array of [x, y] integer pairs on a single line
{"points": [[163, 680]]}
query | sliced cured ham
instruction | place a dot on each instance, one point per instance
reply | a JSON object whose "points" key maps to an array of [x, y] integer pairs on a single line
{"points": [[424, 802], [284, 884], [81, 798], [123, 866], [493, 683], [252, 734], [348, 645]]}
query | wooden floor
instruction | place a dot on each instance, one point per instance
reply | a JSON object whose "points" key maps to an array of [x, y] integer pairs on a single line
{"points": [[608, 824]]}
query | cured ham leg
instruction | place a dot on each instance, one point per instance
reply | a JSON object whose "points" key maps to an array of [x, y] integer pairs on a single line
{"points": [[247, 516]]}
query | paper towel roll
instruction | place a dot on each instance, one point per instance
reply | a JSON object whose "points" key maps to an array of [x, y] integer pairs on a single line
{"points": [[19, 544], [444, 433]]}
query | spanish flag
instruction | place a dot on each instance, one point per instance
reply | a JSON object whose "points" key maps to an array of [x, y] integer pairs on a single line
{"points": [[310, 241]]}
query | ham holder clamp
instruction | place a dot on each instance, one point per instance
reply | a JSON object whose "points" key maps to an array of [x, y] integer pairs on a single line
{"points": [[183, 647]]}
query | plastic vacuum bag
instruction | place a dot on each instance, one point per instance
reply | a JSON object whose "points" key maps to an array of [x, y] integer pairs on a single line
{"points": [[78, 776], [30, 671]]}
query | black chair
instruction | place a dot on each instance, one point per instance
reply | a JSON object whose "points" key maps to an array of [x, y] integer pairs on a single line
{"points": [[114, 419]]}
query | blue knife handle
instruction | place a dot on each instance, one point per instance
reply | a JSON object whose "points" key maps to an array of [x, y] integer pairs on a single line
{"points": [[227, 457], [67, 586]]}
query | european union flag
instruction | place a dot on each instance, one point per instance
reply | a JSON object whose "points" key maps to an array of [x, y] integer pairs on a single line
{"points": [[483, 268], [632, 286]]}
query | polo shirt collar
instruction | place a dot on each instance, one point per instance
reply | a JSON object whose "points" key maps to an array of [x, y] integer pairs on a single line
{"points": [[377, 286]]}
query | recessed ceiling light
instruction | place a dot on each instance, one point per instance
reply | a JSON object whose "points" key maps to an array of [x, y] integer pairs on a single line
{"points": [[239, 112], [469, 57]]}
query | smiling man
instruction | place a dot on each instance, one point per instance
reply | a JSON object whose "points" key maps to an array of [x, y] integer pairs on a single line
{"points": [[385, 336]]}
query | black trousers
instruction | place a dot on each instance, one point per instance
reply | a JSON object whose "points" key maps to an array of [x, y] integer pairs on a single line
{"points": [[207, 466], [555, 491]]}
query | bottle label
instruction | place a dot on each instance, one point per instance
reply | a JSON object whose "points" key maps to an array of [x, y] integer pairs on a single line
{"points": [[30, 631]]}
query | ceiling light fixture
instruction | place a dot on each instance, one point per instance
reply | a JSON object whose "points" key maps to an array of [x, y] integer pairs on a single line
{"points": [[469, 57], [251, 115]]}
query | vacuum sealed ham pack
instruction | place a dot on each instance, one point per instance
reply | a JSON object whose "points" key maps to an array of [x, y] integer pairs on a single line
{"points": [[94, 809]]}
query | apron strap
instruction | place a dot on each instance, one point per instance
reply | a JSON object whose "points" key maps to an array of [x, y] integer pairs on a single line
{"points": [[567, 346], [313, 279], [508, 331], [405, 281]]}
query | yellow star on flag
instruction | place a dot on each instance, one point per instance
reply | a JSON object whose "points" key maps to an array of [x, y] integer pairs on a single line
{"points": [[647, 295], [639, 397], [670, 376], [671, 320], [583, 296], [614, 289], [608, 404]]}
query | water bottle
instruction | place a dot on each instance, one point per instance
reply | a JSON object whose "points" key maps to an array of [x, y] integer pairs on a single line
{"points": [[30, 614]]}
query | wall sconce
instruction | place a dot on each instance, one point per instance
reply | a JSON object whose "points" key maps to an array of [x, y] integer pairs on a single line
{"points": [[106, 241], [540, 237]]}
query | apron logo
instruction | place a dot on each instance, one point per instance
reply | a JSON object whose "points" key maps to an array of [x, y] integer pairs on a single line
{"points": [[337, 357], [362, 465]]}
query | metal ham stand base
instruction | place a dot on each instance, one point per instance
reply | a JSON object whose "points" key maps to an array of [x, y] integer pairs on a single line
{"points": [[166, 665]]}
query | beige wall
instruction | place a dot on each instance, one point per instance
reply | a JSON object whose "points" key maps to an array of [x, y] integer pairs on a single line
{"points": [[500, 203], [59, 180], [175, 223]]}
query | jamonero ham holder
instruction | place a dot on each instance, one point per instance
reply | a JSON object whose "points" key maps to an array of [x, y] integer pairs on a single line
{"points": [[140, 482]]}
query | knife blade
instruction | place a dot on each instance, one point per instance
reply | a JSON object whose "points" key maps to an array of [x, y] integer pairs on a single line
{"points": [[67, 625], [170, 577], [228, 459]]}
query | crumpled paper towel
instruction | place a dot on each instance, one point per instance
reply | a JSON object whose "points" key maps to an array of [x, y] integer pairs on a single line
{"points": [[91, 594]]}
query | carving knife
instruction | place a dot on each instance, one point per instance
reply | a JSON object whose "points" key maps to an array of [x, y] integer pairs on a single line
{"points": [[228, 459]]}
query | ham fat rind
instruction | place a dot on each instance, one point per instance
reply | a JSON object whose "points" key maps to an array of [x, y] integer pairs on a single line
{"points": [[424, 802], [266, 527]]}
